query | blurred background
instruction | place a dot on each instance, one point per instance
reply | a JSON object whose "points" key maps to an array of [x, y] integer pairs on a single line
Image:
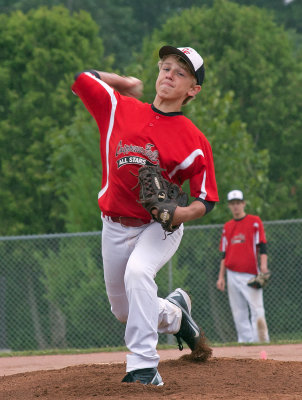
{"points": [[51, 287]]}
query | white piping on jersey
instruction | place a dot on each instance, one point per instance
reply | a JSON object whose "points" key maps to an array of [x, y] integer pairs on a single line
{"points": [[224, 242], [256, 241], [203, 192], [110, 127], [186, 163]]}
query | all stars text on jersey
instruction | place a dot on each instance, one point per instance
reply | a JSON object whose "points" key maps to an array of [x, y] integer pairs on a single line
{"points": [[132, 160]]}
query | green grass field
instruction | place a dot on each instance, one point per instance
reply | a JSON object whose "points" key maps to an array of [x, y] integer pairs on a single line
{"points": [[48, 352]]}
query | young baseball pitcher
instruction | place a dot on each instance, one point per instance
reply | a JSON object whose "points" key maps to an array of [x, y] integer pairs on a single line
{"points": [[147, 152], [243, 238]]}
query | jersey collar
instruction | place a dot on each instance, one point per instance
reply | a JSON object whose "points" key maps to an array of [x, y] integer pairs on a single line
{"points": [[170, 114], [240, 219]]}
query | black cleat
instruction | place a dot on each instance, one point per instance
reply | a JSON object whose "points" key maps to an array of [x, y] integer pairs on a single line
{"points": [[189, 330], [145, 376]]}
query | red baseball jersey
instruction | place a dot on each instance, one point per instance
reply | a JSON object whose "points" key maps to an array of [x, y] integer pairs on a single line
{"points": [[239, 241], [134, 134]]}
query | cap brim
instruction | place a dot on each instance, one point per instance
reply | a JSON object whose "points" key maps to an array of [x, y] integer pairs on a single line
{"points": [[167, 50]]}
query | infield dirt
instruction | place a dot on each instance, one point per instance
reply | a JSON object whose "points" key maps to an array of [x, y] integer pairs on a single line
{"points": [[218, 378]]}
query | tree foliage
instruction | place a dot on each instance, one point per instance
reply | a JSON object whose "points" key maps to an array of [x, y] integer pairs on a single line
{"points": [[40, 52], [76, 161], [123, 23]]}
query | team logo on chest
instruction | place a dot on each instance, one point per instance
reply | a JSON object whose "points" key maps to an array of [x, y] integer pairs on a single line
{"points": [[240, 238], [144, 155]]}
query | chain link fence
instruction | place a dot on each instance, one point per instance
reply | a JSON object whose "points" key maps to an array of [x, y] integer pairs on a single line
{"points": [[52, 293]]}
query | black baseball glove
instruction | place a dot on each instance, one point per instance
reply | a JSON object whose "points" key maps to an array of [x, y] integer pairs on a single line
{"points": [[259, 281], [157, 193]]}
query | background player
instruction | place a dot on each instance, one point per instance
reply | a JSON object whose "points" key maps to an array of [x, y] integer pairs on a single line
{"points": [[242, 238], [133, 134]]}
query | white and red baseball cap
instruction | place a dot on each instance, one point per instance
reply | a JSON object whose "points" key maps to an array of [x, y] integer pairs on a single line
{"points": [[235, 195], [190, 56]]}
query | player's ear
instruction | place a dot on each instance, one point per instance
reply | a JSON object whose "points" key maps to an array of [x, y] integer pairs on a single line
{"points": [[194, 90]]}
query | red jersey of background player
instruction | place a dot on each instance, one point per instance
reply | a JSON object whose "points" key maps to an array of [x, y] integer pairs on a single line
{"points": [[169, 139], [239, 242]]}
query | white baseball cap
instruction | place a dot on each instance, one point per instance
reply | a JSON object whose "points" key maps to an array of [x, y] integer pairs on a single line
{"points": [[235, 195], [190, 56]]}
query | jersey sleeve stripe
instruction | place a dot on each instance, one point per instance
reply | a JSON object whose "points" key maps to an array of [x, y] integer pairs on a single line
{"points": [[255, 248], [186, 162], [256, 241], [257, 234], [203, 191], [224, 244], [102, 83], [110, 127]]}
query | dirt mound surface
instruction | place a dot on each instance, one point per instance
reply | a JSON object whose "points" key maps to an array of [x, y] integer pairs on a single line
{"points": [[217, 378]]}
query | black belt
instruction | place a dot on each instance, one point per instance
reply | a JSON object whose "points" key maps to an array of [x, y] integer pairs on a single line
{"points": [[129, 221]]}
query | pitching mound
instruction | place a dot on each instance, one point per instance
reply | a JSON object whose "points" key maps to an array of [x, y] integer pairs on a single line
{"points": [[217, 378]]}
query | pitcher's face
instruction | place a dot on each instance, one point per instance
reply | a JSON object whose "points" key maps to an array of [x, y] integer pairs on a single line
{"points": [[174, 81]]}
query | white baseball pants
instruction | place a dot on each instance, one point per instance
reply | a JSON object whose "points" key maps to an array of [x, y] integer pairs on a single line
{"points": [[131, 258], [247, 308]]}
